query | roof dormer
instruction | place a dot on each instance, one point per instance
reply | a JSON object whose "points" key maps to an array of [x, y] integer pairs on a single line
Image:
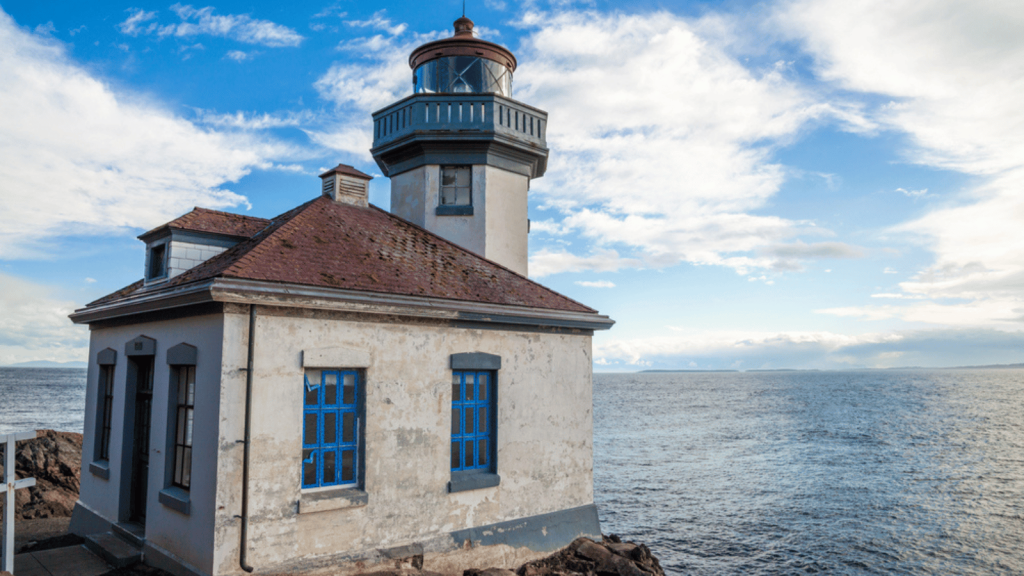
{"points": [[192, 239]]}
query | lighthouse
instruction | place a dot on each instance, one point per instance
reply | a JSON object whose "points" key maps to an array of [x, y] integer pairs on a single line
{"points": [[460, 151]]}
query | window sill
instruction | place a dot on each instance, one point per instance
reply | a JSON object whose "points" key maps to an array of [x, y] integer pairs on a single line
{"points": [[472, 480], [335, 499], [454, 210], [176, 499], [100, 468]]}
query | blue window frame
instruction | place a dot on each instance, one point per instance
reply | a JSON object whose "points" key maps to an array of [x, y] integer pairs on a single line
{"points": [[472, 420], [330, 428]]}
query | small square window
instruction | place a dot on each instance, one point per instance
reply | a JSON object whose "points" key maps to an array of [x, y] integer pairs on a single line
{"points": [[456, 186]]}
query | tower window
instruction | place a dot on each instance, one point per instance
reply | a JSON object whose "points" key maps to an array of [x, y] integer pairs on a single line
{"points": [[456, 186]]}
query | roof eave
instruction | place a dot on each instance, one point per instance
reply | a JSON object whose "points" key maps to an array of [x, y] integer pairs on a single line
{"points": [[241, 291]]}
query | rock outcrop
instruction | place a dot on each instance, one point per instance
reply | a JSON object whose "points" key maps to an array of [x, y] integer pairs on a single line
{"points": [[610, 557], [54, 459]]}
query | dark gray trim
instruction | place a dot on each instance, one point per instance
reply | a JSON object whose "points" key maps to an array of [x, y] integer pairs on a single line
{"points": [[541, 533], [182, 355], [176, 499], [106, 357], [466, 210], [164, 560], [140, 346], [446, 148], [463, 481], [553, 322], [85, 521], [337, 499], [130, 309], [521, 328], [475, 361], [100, 469]]}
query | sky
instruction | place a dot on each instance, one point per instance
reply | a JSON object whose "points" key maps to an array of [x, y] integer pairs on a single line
{"points": [[740, 185]]}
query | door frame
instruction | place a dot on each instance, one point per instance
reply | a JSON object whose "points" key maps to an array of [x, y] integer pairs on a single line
{"points": [[141, 346]]}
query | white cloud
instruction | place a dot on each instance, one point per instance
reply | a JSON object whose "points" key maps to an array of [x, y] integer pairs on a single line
{"points": [[46, 29], [596, 283], [239, 56], [664, 140], [912, 193], [135, 24], [202, 21], [78, 158], [253, 121], [825, 350], [34, 324], [545, 261], [952, 71], [360, 87], [379, 21], [888, 270]]}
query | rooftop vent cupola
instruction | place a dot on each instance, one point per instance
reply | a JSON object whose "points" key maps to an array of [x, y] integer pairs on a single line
{"points": [[344, 183], [460, 152], [462, 64]]}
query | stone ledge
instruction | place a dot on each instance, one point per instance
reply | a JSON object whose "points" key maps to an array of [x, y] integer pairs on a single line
{"points": [[466, 210], [100, 469], [338, 499], [176, 499], [463, 481]]}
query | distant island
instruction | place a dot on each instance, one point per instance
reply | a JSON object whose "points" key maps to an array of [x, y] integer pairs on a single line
{"points": [[697, 371], [755, 370], [48, 364]]}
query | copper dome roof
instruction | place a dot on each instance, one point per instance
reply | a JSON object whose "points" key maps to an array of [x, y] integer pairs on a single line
{"points": [[463, 43]]}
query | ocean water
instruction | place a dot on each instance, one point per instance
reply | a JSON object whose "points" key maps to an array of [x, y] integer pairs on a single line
{"points": [[33, 398], [890, 472]]}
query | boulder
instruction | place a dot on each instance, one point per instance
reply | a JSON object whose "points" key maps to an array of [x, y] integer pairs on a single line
{"points": [[610, 557], [54, 459]]}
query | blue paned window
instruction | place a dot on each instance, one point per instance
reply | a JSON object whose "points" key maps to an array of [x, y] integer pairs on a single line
{"points": [[472, 420], [330, 428]]}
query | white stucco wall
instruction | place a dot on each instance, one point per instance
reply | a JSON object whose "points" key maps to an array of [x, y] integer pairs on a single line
{"points": [[544, 444], [506, 215], [497, 230], [188, 538]]}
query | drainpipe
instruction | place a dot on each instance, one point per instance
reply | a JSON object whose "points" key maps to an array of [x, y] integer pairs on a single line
{"points": [[248, 431]]}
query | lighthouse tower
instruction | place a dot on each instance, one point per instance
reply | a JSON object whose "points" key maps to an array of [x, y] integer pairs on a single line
{"points": [[460, 152]]}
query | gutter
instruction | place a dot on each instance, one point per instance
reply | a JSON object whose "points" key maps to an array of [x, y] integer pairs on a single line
{"points": [[244, 536]]}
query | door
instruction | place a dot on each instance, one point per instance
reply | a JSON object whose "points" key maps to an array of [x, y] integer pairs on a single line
{"points": [[140, 439]]}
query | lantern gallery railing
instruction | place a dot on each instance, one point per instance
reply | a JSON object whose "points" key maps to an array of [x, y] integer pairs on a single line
{"points": [[463, 114]]}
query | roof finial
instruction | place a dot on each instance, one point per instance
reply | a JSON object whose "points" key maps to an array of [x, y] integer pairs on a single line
{"points": [[464, 27], [463, 8]]}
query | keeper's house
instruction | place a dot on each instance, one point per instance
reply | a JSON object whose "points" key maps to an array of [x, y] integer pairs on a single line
{"points": [[340, 386]]}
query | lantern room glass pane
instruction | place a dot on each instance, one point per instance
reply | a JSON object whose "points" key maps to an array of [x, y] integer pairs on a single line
{"points": [[462, 74]]}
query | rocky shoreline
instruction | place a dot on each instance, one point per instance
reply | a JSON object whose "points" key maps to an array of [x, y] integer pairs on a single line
{"points": [[54, 459]]}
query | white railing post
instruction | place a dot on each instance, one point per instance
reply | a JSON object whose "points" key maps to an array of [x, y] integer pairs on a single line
{"points": [[9, 486]]}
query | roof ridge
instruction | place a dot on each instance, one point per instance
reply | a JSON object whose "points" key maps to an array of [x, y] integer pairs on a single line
{"points": [[479, 257], [274, 228], [198, 208]]}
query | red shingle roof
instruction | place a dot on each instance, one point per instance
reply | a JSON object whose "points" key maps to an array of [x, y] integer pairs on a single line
{"points": [[336, 245], [215, 222]]}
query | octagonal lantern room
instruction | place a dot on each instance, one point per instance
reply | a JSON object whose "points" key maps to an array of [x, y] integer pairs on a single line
{"points": [[462, 64]]}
